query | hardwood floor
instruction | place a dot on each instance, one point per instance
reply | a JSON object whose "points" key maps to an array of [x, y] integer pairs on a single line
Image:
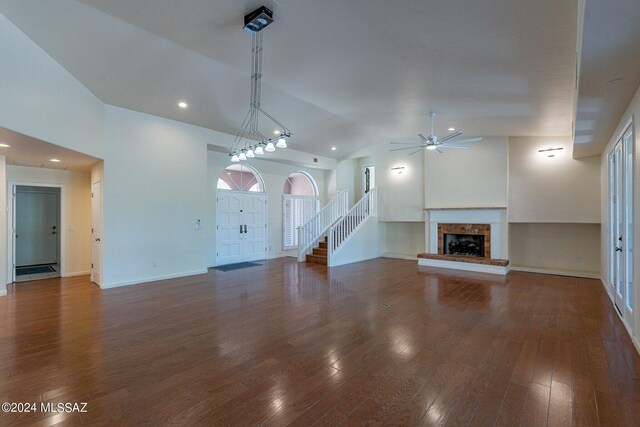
{"points": [[292, 343]]}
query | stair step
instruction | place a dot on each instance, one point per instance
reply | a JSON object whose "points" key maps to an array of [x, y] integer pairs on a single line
{"points": [[322, 245], [320, 251], [317, 259]]}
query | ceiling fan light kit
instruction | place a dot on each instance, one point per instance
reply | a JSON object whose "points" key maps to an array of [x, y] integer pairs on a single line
{"points": [[433, 143], [244, 145]]}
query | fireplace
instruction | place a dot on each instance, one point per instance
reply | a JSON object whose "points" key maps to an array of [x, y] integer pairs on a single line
{"points": [[465, 239], [463, 244]]}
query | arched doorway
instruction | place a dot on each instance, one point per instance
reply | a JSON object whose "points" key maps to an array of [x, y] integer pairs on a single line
{"points": [[300, 203], [241, 215]]}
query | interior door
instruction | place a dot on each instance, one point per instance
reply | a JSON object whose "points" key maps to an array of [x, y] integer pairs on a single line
{"points": [[37, 221], [254, 226], [96, 232], [229, 242]]}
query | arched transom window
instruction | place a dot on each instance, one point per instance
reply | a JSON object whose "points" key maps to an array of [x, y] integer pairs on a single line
{"points": [[240, 177]]}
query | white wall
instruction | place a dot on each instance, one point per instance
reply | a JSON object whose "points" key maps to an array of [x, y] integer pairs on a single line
{"points": [[554, 208], [476, 177], [274, 175], [363, 245], [75, 223], [559, 189], [632, 111], [39, 98], [569, 249], [346, 171], [400, 196], [155, 188], [404, 239]]}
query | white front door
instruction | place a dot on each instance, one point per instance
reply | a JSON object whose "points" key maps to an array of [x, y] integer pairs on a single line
{"points": [[37, 221], [240, 227], [96, 232], [254, 229], [228, 232]]}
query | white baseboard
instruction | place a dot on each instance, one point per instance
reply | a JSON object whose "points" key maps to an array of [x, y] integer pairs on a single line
{"points": [[3, 291], [466, 266], [570, 273], [152, 279], [77, 273], [399, 256]]}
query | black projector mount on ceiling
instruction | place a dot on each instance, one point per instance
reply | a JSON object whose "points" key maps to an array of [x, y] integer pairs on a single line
{"points": [[257, 20]]}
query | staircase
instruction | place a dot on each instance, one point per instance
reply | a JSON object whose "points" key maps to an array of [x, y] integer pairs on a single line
{"points": [[311, 234], [322, 238], [319, 254]]}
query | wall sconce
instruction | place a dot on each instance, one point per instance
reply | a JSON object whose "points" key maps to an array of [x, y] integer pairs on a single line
{"points": [[550, 151], [398, 169]]}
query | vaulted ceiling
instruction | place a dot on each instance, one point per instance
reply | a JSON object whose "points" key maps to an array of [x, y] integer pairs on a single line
{"points": [[338, 73]]}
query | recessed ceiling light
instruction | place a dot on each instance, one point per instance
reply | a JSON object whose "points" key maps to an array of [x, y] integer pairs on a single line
{"points": [[5, 145], [54, 160], [182, 104], [334, 148], [452, 129]]}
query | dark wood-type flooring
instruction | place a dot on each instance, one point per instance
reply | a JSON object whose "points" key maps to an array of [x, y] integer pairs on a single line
{"points": [[296, 344]]}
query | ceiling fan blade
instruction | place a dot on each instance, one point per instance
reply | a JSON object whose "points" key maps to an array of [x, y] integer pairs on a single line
{"points": [[405, 143], [448, 137], [417, 151], [409, 148], [439, 151], [454, 146], [466, 140], [422, 137]]}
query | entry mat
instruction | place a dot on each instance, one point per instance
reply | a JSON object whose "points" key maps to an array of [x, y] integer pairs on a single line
{"points": [[35, 269], [238, 266]]}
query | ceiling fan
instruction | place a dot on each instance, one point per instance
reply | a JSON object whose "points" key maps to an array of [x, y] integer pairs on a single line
{"points": [[432, 142]]}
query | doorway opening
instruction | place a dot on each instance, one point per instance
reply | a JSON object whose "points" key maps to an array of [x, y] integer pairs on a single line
{"points": [[36, 232], [369, 181], [300, 203]]}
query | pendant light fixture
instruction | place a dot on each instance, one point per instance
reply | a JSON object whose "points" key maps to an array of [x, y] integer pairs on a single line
{"points": [[250, 141]]}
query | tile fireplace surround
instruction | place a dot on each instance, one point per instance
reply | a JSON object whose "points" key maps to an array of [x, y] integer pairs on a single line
{"points": [[489, 222]]}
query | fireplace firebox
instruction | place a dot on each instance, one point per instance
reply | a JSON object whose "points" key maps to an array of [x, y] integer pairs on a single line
{"points": [[465, 239], [463, 244]]}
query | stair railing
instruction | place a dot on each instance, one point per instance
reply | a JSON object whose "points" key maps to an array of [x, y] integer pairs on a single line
{"points": [[313, 230], [345, 228]]}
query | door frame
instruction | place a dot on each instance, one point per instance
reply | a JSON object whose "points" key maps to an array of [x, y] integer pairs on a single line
{"points": [[11, 232], [266, 221], [100, 250]]}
